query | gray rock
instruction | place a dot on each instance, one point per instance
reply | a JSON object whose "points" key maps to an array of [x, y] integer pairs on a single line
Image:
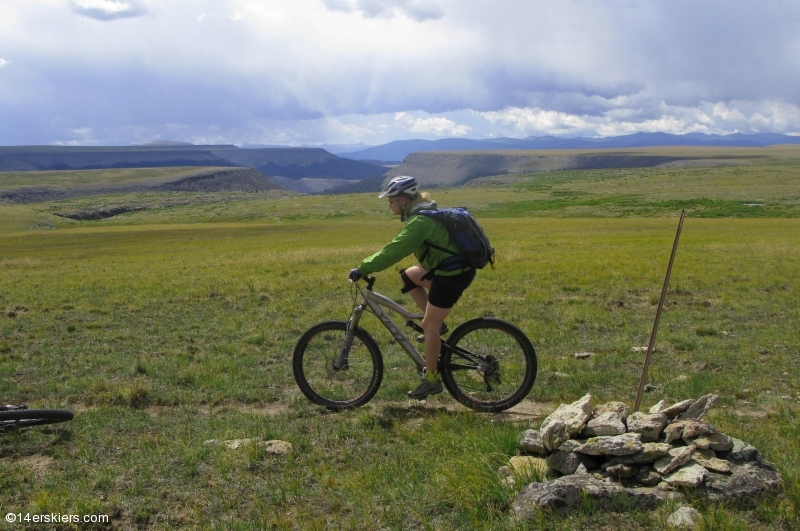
{"points": [[685, 517], [625, 444], [649, 453], [743, 453], [690, 475], [566, 422], [649, 425], [648, 477], [567, 463], [675, 458], [676, 409], [570, 445], [570, 492], [608, 423], [621, 471], [583, 355], [659, 407], [699, 407], [714, 441], [746, 485], [694, 428], [618, 407], [531, 441], [581, 469], [708, 460]]}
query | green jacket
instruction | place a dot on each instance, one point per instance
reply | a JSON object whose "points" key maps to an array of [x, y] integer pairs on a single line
{"points": [[416, 231]]}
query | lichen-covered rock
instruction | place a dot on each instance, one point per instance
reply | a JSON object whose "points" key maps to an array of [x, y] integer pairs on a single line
{"points": [[690, 475], [684, 518], [695, 428], [708, 460], [567, 463], [699, 408], [649, 453], [649, 425], [621, 471], [714, 441], [675, 458], [565, 422], [617, 407], [741, 452], [648, 477], [676, 409], [615, 445], [746, 485], [531, 441], [608, 423], [569, 492]]}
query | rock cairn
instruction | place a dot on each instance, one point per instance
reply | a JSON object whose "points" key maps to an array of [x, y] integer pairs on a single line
{"points": [[619, 459]]}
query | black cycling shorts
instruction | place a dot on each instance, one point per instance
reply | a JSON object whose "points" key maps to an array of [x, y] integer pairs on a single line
{"points": [[445, 291]]}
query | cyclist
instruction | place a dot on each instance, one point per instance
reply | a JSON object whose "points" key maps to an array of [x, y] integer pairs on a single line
{"points": [[444, 288]]}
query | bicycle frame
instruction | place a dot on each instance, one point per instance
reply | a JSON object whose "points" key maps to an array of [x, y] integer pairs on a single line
{"points": [[375, 302]]}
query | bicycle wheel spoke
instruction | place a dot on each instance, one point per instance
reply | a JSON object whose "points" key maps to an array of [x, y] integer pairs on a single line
{"points": [[505, 368], [354, 384]]}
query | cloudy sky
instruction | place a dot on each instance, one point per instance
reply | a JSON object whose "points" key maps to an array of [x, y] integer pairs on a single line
{"points": [[119, 72]]}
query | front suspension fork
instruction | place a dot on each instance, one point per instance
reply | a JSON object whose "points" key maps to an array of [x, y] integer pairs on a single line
{"points": [[341, 360]]}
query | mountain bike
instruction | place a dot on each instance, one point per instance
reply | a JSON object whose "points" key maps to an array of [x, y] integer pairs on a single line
{"points": [[487, 364], [14, 417]]}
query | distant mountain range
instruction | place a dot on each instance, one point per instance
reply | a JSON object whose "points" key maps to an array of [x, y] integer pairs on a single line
{"points": [[300, 169], [400, 149]]}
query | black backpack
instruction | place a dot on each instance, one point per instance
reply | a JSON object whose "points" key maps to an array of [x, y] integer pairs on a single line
{"points": [[474, 247]]}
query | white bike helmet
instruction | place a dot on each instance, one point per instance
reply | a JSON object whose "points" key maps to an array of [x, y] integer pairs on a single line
{"points": [[403, 186]]}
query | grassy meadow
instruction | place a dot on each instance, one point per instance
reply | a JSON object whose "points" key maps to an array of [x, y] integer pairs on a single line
{"points": [[168, 327]]}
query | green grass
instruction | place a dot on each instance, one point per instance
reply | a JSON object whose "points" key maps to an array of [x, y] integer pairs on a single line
{"points": [[166, 328]]}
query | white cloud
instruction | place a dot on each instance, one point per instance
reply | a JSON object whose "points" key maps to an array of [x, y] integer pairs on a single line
{"points": [[418, 10], [436, 125], [108, 9], [3, 62]]}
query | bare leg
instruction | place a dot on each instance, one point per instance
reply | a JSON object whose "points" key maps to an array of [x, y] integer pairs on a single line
{"points": [[431, 323], [420, 296]]}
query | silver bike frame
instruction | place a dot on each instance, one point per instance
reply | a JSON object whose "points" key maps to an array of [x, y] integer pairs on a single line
{"points": [[375, 301]]}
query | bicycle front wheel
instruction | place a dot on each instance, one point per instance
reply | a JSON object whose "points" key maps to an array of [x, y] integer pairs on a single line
{"points": [[23, 418], [351, 386], [488, 364]]}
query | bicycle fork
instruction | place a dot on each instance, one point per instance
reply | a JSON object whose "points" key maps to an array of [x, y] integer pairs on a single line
{"points": [[340, 362]]}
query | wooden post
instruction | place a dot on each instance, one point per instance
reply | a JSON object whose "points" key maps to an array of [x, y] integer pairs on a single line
{"points": [[658, 315]]}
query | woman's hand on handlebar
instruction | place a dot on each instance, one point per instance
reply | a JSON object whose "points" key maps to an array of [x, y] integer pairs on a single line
{"points": [[354, 275]]}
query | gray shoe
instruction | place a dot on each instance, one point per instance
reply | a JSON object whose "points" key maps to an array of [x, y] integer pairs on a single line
{"points": [[426, 388], [442, 331]]}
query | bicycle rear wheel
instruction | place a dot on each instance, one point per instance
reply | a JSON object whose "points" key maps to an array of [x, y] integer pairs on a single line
{"points": [[353, 385], [23, 418], [488, 364]]}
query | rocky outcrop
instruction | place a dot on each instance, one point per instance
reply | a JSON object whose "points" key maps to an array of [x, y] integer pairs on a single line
{"points": [[658, 455]]}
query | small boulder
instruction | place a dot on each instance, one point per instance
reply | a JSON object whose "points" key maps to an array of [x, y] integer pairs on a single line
{"points": [[699, 408], [625, 444], [714, 441], [675, 458], [649, 453], [527, 467], [741, 452], [621, 471], [647, 477], [567, 463], [708, 460], [684, 518], [691, 475], [649, 425], [676, 409], [619, 407], [661, 405], [531, 441], [566, 422], [608, 423]]}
